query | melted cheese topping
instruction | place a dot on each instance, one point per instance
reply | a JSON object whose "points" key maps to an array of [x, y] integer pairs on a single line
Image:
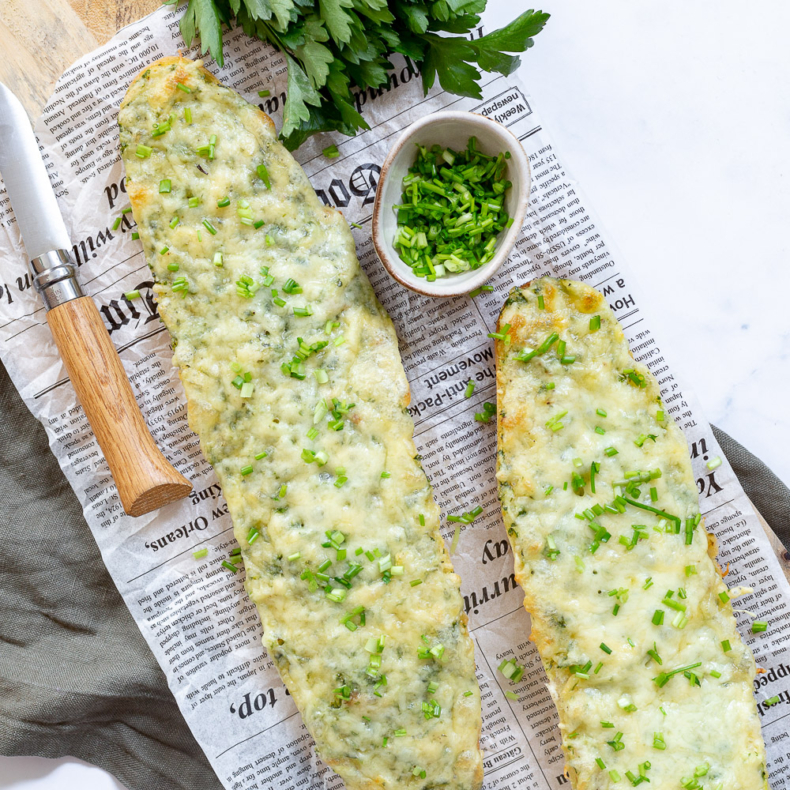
{"points": [[593, 582], [351, 633]]}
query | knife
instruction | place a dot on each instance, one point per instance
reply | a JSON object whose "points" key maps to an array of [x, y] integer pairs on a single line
{"points": [[145, 480]]}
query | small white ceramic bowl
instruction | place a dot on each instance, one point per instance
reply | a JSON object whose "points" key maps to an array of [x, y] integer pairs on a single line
{"points": [[451, 130]]}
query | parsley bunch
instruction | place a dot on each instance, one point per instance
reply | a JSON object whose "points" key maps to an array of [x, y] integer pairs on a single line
{"points": [[330, 45]]}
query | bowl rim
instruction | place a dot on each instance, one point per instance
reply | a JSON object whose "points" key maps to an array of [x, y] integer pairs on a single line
{"points": [[420, 285]]}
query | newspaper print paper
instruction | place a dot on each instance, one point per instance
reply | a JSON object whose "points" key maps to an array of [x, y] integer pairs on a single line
{"points": [[194, 613]]}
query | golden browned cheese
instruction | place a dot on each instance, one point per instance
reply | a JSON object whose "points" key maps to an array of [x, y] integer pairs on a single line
{"points": [[297, 392], [650, 677]]}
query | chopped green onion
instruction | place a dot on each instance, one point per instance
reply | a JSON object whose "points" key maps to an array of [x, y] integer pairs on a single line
{"points": [[714, 463], [200, 553], [164, 186], [117, 223], [209, 227], [759, 627], [132, 295], [470, 388], [331, 152], [595, 323], [263, 174], [143, 151]]}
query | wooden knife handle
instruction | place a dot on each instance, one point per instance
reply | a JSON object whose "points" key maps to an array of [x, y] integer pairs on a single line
{"points": [[145, 480]]}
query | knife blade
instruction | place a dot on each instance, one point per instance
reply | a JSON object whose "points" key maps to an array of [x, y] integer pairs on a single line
{"points": [[144, 479], [26, 180]]}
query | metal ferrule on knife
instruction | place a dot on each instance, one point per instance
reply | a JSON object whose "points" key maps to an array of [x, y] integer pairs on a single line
{"points": [[55, 278]]}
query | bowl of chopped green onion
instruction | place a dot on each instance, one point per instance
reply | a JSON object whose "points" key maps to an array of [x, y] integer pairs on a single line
{"points": [[451, 199]]}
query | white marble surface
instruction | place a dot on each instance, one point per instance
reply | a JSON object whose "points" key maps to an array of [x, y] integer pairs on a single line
{"points": [[675, 118]]}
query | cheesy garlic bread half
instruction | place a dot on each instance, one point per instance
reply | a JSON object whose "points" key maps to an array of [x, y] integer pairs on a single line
{"points": [[629, 611], [297, 391]]}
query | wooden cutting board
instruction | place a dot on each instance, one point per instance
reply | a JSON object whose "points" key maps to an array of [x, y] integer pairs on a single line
{"points": [[44, 37]]}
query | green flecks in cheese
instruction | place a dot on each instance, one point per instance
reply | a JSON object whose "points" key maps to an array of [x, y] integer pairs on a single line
{"points": [[297, 392], [650, 677]]}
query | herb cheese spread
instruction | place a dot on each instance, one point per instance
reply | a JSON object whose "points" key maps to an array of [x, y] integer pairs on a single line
{"points": [[629, 611], [297, 392]]}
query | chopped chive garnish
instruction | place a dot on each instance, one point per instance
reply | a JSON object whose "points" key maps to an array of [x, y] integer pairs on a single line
{"points": [[264, 94], [606, 649], [263, 174], [117, 223], [758, 627], [229, 566], [331, 152], [132, 295], [200, 553], [662, 679], [489, 410], [209, 227], [511, 695], [452, 211], [135, 235]]}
